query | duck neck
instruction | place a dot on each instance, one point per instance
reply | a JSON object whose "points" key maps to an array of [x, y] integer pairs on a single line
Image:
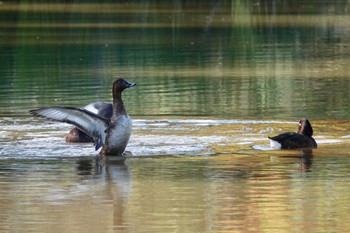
{"points": [[118, 105], [305, 130]]}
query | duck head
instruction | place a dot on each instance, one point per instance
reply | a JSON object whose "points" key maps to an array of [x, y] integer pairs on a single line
{"points": [[305, 127], [121, 84]]}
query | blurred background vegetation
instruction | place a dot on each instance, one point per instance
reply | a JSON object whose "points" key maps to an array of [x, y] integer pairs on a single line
{"points": [[243, 59]]}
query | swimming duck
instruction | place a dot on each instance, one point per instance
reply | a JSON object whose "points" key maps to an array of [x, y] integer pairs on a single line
{"points": [[111, 134], [102, 109], [291, 140]]}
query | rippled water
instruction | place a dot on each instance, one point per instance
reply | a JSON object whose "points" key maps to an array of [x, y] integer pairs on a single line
{"points": [[214, 80]]}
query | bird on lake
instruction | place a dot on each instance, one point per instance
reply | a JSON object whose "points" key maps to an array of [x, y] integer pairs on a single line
{"points": [[112, 134], [293, 140]]}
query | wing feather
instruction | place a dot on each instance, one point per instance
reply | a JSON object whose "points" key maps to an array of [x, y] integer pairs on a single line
{"points": [[88, 122]]}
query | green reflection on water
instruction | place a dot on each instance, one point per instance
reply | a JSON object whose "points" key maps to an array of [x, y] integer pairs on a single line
{"points": [[223, 59]]}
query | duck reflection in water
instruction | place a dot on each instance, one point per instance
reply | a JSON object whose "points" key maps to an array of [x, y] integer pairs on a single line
{"points": [[305, 159], [115, 181], [112, 170]]}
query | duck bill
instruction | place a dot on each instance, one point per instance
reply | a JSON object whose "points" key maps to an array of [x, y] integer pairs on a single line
{"points": [[130, 84]]}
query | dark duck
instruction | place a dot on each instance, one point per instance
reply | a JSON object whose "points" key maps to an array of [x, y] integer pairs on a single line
{"points": [[110, 130], [294, 140]]}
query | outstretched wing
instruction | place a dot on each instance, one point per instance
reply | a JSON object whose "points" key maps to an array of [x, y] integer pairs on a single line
{"points": [[88, 122]]}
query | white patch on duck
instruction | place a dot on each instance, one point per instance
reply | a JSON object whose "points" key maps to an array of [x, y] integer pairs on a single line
{"points": [[91, 108], [275, 145]]}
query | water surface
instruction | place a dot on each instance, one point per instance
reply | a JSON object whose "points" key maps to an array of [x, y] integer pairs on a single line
{"points": [[214, 80]]}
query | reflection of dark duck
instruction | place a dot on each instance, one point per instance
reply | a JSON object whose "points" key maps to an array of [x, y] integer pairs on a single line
{"points": [[103, 109], [306, 157], [111, 134], [291, 140]]}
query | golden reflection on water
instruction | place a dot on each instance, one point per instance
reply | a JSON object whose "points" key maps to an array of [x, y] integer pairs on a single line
{"points": [[255, 194], [240, 189]]}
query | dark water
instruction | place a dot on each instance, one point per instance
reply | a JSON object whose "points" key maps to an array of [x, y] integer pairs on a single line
{"points": [[214, 80]]}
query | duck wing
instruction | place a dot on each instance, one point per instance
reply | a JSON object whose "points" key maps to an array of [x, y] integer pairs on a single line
{"points": [[283, 137], [88, 122], [103, 109]]}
